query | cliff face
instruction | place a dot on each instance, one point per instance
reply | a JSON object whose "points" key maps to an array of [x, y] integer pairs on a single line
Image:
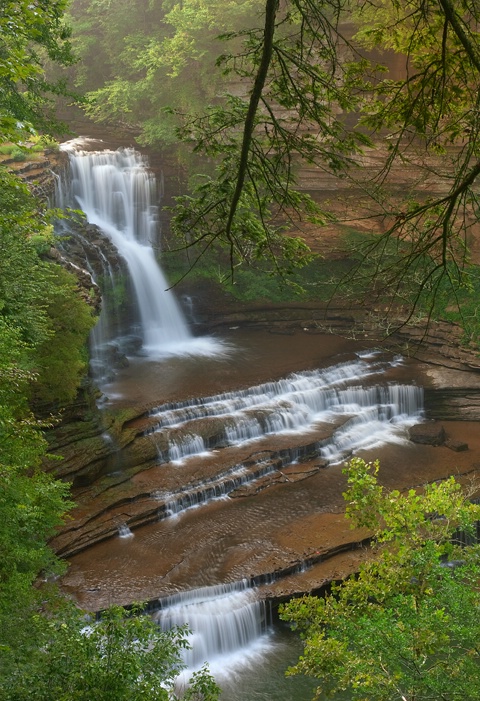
{"points": [[40, 171]]}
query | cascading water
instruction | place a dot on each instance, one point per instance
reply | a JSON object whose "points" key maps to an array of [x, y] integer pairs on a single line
{"points": [[118, 194], [227, 625], [373, 415], [227, 622], [218, 518]]}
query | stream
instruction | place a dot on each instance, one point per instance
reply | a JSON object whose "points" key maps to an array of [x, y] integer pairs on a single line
{"points": [[252, 430]]}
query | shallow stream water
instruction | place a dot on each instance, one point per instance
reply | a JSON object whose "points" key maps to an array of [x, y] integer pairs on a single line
{"points": [[226, 539]]}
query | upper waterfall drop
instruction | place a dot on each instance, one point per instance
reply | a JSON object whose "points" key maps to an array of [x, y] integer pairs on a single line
{"points": [[118, 193]]}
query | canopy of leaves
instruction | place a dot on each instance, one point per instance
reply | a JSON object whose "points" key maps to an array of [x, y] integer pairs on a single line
{"points": [[122, 657], [312, 95], [296, 84], [32, 32], [406, 627], [137, 60], [39, 298], [32, 342]]}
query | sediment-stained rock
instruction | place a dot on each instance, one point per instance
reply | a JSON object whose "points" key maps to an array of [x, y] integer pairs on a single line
{"points": [[429, 433]]}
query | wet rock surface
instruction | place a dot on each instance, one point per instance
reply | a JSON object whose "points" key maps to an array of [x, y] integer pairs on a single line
{"points": [[429, 433], [284, 531]]}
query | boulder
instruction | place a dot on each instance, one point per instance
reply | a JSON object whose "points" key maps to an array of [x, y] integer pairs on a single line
{"points": [[428, 433], [457, 446]]}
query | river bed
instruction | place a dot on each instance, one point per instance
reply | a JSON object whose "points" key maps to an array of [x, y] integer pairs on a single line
{"points": [[251, 429], [232, 539]]}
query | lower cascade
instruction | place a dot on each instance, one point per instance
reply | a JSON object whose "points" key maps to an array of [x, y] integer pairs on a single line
{"points": [[227, 624]]}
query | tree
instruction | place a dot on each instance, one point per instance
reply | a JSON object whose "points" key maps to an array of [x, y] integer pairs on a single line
{"points": [[122, 657], [300, 86], [32, 503], [31, 34], [406, 626], [39, 298], [313, 95], [154, 56]]}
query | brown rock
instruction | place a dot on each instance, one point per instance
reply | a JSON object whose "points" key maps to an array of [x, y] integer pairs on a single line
{"points": [[457, 446], [429, 433]]}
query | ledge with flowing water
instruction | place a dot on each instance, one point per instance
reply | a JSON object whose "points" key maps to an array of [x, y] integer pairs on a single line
{"points": [[120, 196], [239, 443]]}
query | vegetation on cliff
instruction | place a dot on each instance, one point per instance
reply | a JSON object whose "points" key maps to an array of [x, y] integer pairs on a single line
{"points": [[31, 35], [406, 627], [45, 651]]}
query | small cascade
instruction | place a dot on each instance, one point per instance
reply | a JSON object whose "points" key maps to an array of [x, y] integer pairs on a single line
{"points": [[124, 531], [297, 404], [118, 194], [301, 387], [187, 446], [227, 624], [218, 487]]}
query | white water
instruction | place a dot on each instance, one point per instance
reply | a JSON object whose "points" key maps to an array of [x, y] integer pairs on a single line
{"points": [[227, 625], [124, 531], [218, 487], [118, 194], [373, 415]]}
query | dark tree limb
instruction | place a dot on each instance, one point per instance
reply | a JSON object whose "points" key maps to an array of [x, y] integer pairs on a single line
{"points": [[271, 8]]}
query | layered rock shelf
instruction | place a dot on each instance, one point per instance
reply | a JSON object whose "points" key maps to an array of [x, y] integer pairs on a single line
{"points": [[133, 502]]}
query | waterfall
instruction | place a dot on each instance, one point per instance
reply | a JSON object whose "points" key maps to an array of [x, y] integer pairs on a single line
{"points": [[124, 531], [118, 194], [370, 415], [227, 624]]}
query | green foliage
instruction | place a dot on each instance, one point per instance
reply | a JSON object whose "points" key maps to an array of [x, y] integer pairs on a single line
{"points": [[32, 503], [122, 657], [308, 86], [39, 298], [23, 286], [138, 60], [31, 33], [406, 627], [61, 360], [317, 280]]}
